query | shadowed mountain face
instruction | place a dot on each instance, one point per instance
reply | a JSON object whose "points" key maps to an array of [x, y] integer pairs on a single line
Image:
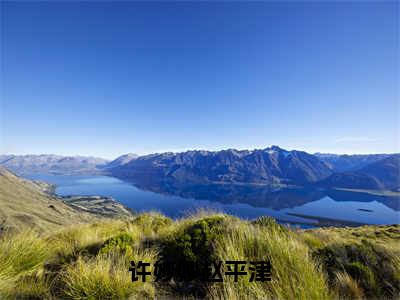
{"points": [[344, 163], [52, 164], [269, 166], [383, 174]]}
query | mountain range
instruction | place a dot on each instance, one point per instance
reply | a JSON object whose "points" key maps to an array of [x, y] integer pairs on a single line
{"points": [[380, 175], [269, 166], [345, 162], [53, 164]]}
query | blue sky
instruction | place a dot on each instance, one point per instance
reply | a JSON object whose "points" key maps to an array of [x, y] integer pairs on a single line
{"points": [[101, 78]]}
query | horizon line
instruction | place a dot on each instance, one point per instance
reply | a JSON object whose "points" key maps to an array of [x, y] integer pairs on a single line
{"points": [[176, 151]]}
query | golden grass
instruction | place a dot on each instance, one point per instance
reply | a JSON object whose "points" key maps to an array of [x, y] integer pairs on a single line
{"points": [[294, 274], [91, 261], [107, 277], [21, 254], [346, 287]]}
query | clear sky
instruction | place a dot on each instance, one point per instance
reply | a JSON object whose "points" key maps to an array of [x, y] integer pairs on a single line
{"points": [[103, 79]]}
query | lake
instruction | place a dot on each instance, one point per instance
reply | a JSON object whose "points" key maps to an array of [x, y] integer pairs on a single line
{"points": [[296, 206]]}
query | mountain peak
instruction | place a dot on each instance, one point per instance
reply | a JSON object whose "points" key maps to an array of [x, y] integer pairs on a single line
{"points": [[274, 148], [122, 160]]}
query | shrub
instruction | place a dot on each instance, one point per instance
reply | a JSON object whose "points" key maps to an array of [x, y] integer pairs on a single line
{"points": [[153, 222], [192, 246], [122, 243]]}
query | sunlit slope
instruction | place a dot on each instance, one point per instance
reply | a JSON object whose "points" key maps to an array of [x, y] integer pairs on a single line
{"points": [[24, 203]]}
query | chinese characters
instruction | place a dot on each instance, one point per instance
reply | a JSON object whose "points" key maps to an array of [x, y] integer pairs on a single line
{"points": [[255, 271]]}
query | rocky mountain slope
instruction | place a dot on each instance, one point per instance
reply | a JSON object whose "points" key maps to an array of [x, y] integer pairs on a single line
{"points": [[267, 166]]}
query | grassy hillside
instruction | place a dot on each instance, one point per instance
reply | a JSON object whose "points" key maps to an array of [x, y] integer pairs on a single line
{"points": [[26, 204], [91, 261]]}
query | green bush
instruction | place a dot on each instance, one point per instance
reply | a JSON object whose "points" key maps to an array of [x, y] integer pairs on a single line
{"points": [[152, 222], [192, 246], [122, 243]]}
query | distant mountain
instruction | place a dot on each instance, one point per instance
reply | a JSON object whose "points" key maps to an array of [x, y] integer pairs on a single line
{"points": [[121, 160], [382, 174], [53, 164], [268, 166], [345, 162]]}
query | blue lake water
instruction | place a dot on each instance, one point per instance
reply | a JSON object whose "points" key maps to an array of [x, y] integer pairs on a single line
{"points": [[244, 202]]}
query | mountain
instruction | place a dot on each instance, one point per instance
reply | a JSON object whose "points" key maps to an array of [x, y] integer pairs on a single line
{"points": [[52, 164], [345, 162], [272, 165], [380, 175], [267, 166], [121, 160]]}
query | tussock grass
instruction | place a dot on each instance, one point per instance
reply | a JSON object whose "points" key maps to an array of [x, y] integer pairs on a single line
{"points": [[152, 224], [346, 287], [294, 276], [375, 267], [20, 254], [34, 286], [107, 277], [71, 242], [91, 261]]}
